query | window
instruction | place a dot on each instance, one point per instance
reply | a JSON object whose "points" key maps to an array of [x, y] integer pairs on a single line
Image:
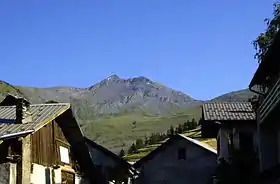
{"points": [[64, 155], [182, 153]]}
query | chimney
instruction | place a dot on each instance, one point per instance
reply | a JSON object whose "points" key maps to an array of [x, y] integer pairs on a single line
{"points": [[23, 114]]}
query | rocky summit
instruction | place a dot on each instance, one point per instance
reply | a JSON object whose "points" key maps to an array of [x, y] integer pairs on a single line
{"points": [[115, 95], [117, 110]]}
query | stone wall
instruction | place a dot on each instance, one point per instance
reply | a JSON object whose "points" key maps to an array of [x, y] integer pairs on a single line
{"points": [[26, 159], [4, 173], [166, 168]]}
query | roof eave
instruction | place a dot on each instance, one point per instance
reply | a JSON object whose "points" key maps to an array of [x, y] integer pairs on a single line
{"points": [[15, 135], [255, 78]]}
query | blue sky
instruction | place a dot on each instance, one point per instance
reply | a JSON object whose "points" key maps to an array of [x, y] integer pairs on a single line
{"points": [[202, 48]]}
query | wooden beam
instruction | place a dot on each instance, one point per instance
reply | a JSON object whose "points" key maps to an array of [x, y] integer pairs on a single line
{"points": [[63, 142]]}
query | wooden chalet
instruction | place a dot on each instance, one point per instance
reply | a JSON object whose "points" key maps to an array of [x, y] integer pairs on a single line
{"points": [[113, 167], [178, 160], [234, 126], [42, 143], [232, 123], [266, 84]]}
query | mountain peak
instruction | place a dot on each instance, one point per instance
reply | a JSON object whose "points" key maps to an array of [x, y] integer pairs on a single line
{"points": [[113, 77], [109, 80], [140, 79]]}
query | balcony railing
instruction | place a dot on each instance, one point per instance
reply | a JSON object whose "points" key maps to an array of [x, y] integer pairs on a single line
{"points": [[270, 101]]}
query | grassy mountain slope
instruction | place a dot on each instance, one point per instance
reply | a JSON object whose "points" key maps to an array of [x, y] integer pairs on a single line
{"points": [[120, 131], [240, 95], [6, 88], [195, 134]]}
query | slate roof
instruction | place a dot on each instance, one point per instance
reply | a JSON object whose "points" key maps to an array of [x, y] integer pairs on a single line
{"points": [[41, 115], [228, 111]]}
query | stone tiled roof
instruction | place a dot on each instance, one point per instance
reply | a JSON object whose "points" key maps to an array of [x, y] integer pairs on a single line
{"points": [[41, 115], [228, 111]]}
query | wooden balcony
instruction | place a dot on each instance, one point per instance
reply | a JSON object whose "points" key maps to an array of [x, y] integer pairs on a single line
{"points": [[270, 101]]}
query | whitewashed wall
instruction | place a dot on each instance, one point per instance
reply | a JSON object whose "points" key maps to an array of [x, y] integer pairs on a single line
{"points": [[38, 174], [47, 175]]}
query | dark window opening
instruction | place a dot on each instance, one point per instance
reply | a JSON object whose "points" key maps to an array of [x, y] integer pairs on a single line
{"points": [[246, 142], [182, 153]]}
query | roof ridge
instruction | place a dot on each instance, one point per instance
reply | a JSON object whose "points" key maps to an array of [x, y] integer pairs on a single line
{"points": [[43, 104], [199, 143], [50, 104], [226, 103]]}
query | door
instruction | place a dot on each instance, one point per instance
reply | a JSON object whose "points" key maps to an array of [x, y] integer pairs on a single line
{"points": [[67, 178]]}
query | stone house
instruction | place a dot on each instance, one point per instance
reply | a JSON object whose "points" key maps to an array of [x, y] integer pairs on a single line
{"points": [[112, 166], [266, 84], [178, 160], [42, 143]]}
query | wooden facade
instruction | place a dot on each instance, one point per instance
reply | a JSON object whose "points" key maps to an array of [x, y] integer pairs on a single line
{"points": [[46, 143], [48, 149], [266, 83], [269, 103], [45, 151]]}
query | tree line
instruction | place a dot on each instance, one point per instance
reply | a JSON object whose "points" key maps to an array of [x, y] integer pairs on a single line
{"points": [[155, 138]]}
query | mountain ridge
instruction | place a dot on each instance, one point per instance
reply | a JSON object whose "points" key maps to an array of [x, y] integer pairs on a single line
{"points": [[116, 111], [115, 94]]}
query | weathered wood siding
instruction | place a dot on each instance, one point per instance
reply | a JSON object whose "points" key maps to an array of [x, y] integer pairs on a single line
{"points": [[45, 145], [268, 146], [166, 168]]}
